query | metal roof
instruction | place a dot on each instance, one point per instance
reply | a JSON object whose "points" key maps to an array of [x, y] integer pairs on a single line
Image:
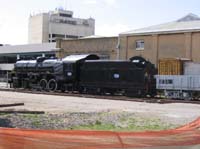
{"points": [[28, 48], [74, 58], [26, 61], [188, 23], [92, 37]]}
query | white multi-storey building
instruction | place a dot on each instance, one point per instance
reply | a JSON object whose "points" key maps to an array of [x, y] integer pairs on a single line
{"points": [[46, 27]]}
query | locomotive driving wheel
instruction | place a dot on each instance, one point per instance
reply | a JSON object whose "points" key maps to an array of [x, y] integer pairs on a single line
{"points": [[52, 85], [43, 84]]}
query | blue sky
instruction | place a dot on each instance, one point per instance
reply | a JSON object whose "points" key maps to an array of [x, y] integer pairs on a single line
{"points": [[112, 16]]}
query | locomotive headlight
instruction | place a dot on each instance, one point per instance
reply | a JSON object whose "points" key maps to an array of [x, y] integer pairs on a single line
{"points": [[69, 74]]}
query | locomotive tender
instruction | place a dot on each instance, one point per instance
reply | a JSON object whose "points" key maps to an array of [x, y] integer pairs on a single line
{"points": [[87, 74]]}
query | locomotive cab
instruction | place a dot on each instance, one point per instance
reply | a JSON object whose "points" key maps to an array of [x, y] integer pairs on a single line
{"points": [[149, 71], [71, 69]]}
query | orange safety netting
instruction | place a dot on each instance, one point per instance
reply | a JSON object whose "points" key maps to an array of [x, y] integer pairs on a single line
{"points": [[188, 135]]}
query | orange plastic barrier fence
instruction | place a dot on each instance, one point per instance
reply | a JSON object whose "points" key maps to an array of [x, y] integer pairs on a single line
{"points": [[186, 136]]}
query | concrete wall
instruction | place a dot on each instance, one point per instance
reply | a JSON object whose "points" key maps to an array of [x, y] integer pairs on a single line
{"points": [[38, 30], [172, 46], [128, 47], [41, 25], [195, 47], [67, 29], [45, 29], [105, 47], [35, 29], [180, 45]]}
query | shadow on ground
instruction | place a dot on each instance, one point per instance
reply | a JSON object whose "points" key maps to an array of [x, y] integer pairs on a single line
{"points": [[5, 123]]}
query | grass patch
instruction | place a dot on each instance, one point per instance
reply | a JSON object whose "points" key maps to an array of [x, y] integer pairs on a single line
{"points": [[34, 119], [31, 116], [4, 114], [127, 125], [97, 126]]}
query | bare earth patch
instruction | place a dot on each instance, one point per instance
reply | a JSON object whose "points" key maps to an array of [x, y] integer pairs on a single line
{"points": [[99, 114]]}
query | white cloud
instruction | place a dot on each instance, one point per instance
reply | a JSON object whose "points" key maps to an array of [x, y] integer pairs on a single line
{"points": [[2, 20], [111, 29], [16, 34], [110, 2], [105, 2], [90, 1]]}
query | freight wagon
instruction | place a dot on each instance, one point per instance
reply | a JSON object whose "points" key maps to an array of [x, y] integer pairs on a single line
{"points": [[180, 79], [179, 86]]}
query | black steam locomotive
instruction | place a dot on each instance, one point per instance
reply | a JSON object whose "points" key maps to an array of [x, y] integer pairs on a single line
{"points": [[86, 74]]}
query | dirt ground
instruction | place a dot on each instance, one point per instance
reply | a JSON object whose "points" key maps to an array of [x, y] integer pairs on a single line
{"points": [[173, 113]]}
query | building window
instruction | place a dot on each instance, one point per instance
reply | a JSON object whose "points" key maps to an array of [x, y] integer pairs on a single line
{"points": [[65, 15], [58, 36], [71, 36], [166, 81], [140, 45], [71, 22]]}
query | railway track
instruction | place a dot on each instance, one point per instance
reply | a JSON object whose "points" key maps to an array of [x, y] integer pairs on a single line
{"points": [[106, 97]]}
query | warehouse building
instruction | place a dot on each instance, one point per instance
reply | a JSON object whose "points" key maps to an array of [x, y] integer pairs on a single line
{"points": [[104, 47], [177, 39], [47, 27]]}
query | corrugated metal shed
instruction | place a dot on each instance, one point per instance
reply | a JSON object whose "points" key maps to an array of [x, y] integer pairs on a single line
{"points": [[28, 48]]}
